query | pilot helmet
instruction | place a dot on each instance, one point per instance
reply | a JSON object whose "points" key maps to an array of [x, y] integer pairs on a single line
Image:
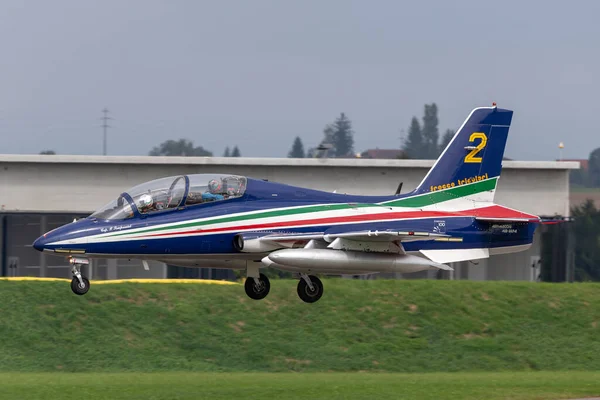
{"points": [[145, 201], [214, 186]]}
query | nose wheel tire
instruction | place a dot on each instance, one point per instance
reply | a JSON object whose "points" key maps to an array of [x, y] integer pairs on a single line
{"points": [[257, 288], [80, 288], [307, 294]]}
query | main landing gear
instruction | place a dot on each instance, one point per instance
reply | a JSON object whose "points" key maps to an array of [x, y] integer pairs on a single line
{"points": [[310, 288], [257, 288], [79, 284]]}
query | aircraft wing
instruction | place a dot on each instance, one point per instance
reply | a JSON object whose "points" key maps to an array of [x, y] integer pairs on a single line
{"points": [[404, 236], [368, 236], [387, 241], [292, 237]]}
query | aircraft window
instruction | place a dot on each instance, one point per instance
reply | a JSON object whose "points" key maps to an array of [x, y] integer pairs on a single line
{"points": [[206, 188], [160, 194], [115, 210]]}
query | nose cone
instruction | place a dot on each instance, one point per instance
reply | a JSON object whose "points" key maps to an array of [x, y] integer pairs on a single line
{"points": [[45, 241], [71, 236], [40, 243]]}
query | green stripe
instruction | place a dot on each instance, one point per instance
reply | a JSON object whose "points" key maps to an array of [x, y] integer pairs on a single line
{"points": [[445, 195], [266, 214], [409, 202]]}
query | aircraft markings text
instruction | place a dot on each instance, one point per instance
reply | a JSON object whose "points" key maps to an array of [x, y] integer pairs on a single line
{"points": [[470, 158], [459, 182]]}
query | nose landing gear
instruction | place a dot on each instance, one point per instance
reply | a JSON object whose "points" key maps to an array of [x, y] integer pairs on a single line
{"points": [[79, 284]]}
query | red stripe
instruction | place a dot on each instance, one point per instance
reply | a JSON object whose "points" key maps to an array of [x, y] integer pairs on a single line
{"points": [[492, 211], [497, 212], [319, 221]]}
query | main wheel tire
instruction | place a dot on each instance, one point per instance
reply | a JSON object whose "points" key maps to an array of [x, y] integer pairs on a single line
{"points": [[79, 289], [257, 292], [306, 294]]}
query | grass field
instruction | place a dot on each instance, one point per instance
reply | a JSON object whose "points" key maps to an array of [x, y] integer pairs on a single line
{"points": [[377, 326], [284, 386]]}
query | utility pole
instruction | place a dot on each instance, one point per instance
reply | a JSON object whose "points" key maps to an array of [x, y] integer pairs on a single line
{"points": [[105, 126]]}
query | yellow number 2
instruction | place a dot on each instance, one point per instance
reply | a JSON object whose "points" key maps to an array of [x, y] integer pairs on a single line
{"points": [[470, 158]]}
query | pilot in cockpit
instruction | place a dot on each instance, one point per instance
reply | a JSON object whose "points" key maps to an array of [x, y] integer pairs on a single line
{"points": [[145, 203], [214, 189]]}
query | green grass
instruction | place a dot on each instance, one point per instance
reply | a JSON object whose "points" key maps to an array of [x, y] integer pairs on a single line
{"points": [[376, 326], [380, 386]]}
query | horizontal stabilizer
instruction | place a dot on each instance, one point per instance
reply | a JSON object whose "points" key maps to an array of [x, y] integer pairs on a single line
{"points": [[455, 255]]}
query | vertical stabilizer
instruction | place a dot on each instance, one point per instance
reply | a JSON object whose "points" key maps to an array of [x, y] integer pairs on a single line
{"points": [[472, 161]]}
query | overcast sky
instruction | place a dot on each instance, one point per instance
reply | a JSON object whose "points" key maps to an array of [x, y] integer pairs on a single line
{"points": [[257, 73]]}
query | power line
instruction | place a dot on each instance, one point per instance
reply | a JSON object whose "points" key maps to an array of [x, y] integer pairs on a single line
{"points": [[105, 126]]}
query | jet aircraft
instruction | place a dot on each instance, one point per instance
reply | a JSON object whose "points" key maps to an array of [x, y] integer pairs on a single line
{"points": [[232, 221]]}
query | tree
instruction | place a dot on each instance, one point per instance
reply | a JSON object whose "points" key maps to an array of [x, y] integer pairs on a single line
{"points": [[236, 152], [430, 131], [342, 136], [325, 148], [227, 153], [327, 135], [594, 168], [50, 152], [338, 139], [579, 177], [586, 229], [181, 147], [297, 150], [422, 140], [582, 235], [448, 135], [413, 146]]}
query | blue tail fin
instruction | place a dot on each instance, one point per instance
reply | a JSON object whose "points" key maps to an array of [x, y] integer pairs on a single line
{"points": [[474, 154]]}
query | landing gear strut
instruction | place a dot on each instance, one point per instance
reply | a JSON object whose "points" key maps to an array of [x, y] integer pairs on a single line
{"points": [[79, 284], [310, 288], [257, 288]]}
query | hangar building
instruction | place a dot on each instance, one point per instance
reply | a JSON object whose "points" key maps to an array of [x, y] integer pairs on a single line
{"points": [[41, 192]]}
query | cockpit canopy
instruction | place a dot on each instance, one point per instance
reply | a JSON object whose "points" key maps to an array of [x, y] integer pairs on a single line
{"points": [[171, 193]]}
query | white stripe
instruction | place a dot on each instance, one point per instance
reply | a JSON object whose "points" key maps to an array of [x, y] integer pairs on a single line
{"points": [[92, 240]]}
